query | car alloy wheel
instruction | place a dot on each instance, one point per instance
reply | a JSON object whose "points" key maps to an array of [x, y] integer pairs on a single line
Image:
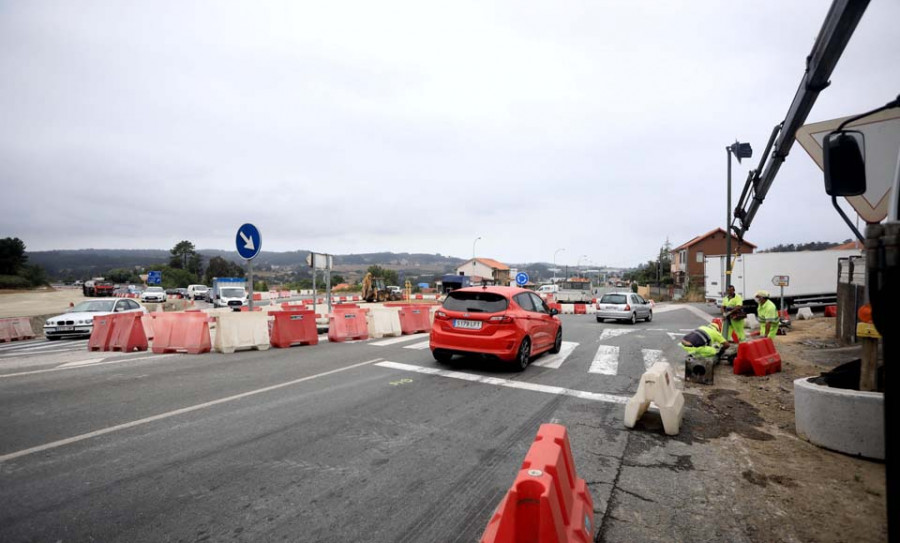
{"points": [[524, 355], [633, 318], [650, 316], [557, 345]]}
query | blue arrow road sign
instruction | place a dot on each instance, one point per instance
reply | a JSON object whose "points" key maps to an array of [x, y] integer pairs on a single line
{"points": [[521, 278], [154, 278], [248, 241]]}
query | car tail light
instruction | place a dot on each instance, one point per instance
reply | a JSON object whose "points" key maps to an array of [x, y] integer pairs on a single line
{"points": [[440, 315], [501, 319], [627, 307]]}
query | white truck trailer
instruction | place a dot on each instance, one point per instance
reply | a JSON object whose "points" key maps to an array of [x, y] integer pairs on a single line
{"points": [[812, 276]]}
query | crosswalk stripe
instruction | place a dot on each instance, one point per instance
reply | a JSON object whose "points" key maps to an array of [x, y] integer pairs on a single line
{"points": [[418, 346], [652, 356], [395, 340], [614, 332], [606, 361], [556, 360]]}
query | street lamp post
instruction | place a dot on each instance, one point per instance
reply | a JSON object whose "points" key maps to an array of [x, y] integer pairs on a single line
{"points": [[739, 150], [473, 255], [554, 263]]}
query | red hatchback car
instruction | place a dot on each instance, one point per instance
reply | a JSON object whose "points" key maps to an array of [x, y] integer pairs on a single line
{"points": [[508, 323]]}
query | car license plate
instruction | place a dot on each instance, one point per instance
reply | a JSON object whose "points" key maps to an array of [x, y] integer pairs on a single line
{"points": [[470, 325], [65, 328]]}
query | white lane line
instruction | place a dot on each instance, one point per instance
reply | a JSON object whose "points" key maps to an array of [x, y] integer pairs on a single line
{"points": [[161, 416], [665, 308], [652, 356], [556, 360], [395, 340], [19, 355], [48, 345], [606, 361], [614, 332], [675, 335], [584, 395], [80, 363], [418, 346]]}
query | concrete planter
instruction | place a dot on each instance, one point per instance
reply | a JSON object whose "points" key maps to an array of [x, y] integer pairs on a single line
{"points": [[847, 421]]}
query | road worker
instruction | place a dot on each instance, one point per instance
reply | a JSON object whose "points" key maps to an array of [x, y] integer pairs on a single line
{"points": [[706, 341], [733, 313], [767, 313]]}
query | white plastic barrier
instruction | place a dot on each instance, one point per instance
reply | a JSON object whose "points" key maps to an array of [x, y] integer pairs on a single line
{"points": [[567, 309], [383, 322], [292, 293], [751, 321], [658, 386], [804, 314], [590, 309], [241, 330]]}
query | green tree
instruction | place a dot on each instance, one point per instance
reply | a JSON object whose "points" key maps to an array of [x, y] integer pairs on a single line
{"points": [[390, 277], [183, 254], [122, 275], [12, 256], [34, 274], [176, 278], [337, 279], [219, 267]]}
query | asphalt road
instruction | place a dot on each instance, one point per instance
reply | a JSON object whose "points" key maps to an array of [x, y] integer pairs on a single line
{"points": [[361, 441]]}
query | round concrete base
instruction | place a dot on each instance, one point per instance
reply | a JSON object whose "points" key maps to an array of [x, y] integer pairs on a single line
{"points": [[847, 421]]}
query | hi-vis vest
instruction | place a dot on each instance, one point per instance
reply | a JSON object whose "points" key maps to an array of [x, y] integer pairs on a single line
{"points": [[700, 337]]}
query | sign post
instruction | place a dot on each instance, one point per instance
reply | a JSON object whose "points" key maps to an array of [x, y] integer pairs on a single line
{"points": [[321, 261], [248, 241], [781, 281]]}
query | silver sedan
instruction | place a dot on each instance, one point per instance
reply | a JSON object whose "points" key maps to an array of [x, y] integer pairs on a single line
{"points": [[624, 306]]}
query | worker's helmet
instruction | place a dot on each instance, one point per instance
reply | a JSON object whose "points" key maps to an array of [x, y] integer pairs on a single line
{"points": [[761, 294]]}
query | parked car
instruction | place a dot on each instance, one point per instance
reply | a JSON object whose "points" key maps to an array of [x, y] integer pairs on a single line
{"points": [[153, 294], [183, 292], [198, 292], [507, 323], [79, 320], [624, 306]]}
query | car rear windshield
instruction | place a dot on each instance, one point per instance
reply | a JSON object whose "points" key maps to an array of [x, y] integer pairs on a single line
{"points": [[613, 299], [475, 302]]}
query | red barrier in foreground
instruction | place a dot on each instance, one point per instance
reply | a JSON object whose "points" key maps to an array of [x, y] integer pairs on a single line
{"points": [[547, 503], [414, 319], [293, 327], [181, 332], [101, 333], [344, 324], [127, 333], [16, 328], [758, 357]]}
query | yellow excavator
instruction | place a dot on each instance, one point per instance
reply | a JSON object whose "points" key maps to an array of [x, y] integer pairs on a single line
{"points": [[373, 290]]}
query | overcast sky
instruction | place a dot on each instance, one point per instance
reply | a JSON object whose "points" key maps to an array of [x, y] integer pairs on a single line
{"points": [[351, 127]]}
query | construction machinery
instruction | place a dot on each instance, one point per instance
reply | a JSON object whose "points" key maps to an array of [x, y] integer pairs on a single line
{"points": [[374, 290]]}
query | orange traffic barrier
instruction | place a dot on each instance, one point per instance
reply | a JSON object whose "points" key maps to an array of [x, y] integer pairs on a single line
{"points": [[16, 328], [247, 308], [757, 356], [580, 309], [293, 327], [547, 503], [345, 306], [127, 333], [181, 332], [101, 333], [831, 311], [147, 322], [344, 324], [414, 319]]}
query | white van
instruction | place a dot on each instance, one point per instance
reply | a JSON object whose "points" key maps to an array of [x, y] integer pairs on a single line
{"points": [[198, 292], [548, 289]]}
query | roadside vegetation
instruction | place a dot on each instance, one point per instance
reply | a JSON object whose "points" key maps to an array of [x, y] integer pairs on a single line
{"points": [[15, 272]]}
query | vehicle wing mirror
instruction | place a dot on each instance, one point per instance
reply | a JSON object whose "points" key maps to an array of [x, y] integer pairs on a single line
{"points": [[554, 311], [845, 165]]}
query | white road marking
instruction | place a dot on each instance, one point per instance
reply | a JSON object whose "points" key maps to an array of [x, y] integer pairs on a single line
{"points": [[556, 360], [606, 361], [169, 414], [614, 332], [418, 346], [584, 395], [675, 335], [395, 340], [36, 347], [81, 363], [652, 356], [88, 362]]}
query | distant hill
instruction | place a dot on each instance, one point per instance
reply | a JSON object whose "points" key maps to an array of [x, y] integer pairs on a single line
{"points": [[811, 246]]}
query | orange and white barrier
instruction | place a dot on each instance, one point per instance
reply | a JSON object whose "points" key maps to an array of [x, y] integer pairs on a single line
{"points": [[15, 329]]}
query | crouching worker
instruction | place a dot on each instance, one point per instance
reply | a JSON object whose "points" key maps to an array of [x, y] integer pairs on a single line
{"points": [[706, 341]]}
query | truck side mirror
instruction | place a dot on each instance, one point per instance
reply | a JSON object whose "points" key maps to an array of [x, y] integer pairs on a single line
{"points": [[845, 165]]}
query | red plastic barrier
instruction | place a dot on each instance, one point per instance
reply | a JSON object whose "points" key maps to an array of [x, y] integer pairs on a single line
{"points": [[419, 297], [548, 502], [345, 306], [247, 308], [414, 319], [16, 328], [128, 333], [147, 322], [344, 324], [580, 309], [101, 333], [181, 332], [554, 305], [293, 327], [758, 357], [831, 311], [257, 296]]}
